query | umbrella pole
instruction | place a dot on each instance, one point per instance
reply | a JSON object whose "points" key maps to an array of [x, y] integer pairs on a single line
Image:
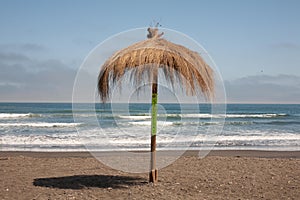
{"points": [[153, 176]]}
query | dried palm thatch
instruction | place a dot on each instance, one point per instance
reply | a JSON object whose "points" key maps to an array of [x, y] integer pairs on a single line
{"points": [[143, 59]]}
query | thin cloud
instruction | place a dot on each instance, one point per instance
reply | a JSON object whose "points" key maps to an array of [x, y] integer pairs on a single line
{"points": [[47, 80], [264, 89], [27, 47], [286, 45], [13, 57]]}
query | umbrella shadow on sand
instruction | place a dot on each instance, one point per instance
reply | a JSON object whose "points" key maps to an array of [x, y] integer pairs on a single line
{"points": [[87, 181]]}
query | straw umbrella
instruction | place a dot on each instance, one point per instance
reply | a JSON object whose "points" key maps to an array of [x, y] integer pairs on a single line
{"points": [[143, 60]]}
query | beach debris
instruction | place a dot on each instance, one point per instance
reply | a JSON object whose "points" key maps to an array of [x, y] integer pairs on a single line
{"points": [[109, 188]]}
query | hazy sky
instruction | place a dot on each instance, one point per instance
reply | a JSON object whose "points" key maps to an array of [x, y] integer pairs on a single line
{"points": [[255, 44]]}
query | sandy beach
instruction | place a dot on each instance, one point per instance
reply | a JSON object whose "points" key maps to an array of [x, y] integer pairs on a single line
{"points": [[220, 175]]}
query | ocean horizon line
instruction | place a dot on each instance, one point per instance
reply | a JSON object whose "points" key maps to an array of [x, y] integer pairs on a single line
{"points": [[228, 103]]}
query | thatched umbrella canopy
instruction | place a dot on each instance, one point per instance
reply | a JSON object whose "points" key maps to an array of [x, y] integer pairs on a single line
{"points": [[143, 59]]}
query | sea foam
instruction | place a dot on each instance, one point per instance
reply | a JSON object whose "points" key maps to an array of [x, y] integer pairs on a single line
{"points": [[17, 115], [39, 124]]}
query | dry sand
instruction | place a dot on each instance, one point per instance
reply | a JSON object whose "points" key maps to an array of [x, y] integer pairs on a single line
{"points": [[221, 175]]}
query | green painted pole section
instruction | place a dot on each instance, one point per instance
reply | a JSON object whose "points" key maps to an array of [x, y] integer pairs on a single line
{"points": [[154, 114]]}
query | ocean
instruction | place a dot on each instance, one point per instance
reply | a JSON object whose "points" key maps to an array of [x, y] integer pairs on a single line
{"points": [[126, 127]]}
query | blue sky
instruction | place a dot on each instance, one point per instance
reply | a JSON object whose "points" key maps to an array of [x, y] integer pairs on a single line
{"points": [[255, 44]]}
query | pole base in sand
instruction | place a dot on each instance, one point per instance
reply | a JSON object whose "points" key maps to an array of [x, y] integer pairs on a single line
{"points": [[153, 176]]}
